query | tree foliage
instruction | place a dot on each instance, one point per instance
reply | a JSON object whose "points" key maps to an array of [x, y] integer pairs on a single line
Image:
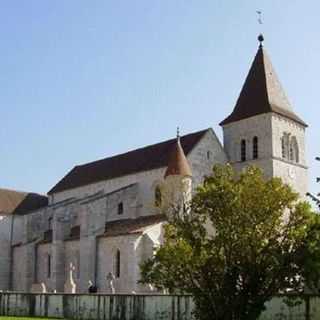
{"points": [[241, 240]]}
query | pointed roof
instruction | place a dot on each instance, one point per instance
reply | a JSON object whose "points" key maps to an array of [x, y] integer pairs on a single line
{"points": [[261, 92], [178, 163]]}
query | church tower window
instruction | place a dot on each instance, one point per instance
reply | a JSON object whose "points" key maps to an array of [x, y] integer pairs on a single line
{"points": [[283, 148], [255, 148], [243, 150], [291, 152], [294, 150], [286, 151]]}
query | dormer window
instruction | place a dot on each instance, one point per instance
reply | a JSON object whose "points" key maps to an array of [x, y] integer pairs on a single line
{"points": [[120, 208], [243, 150]]}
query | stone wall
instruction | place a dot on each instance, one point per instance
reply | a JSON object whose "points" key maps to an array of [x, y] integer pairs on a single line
{"points": [[43, 273], [269, 129], [5, 246], [247, 129], [139, 307], [89, 208]]}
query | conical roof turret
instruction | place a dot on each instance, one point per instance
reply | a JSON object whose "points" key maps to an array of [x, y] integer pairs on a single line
{"points": [[178, 163], [261, 92]]}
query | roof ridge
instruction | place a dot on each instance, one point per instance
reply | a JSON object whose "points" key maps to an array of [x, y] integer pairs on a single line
{"points": [[142, 148], [21, 192], [13, 191]]}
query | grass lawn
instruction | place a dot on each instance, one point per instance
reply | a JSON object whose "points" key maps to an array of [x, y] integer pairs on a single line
{"points": [[23, 318]]}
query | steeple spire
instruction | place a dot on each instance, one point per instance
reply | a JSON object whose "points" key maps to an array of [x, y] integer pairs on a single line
{"points": [[178, 163], [261, 92]]}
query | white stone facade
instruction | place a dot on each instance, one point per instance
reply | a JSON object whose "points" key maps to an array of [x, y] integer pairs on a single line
{"points": [[91, 255], [99, 232], [269, 128], [58, 261]]}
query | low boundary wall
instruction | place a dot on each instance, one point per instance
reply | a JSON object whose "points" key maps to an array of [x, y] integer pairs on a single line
{"points": [[139, 307]]}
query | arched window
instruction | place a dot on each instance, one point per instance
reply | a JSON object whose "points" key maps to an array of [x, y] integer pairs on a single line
{"points": [[283, 147], [255, 149], [294, 150], [243, 150], [291, 152], [157, 197], [117, 264]]}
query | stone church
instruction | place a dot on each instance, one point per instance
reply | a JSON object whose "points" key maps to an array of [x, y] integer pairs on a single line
{"points": [[101, 220]]}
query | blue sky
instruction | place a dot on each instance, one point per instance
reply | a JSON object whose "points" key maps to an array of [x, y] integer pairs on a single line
{"points": [[81, 80]]}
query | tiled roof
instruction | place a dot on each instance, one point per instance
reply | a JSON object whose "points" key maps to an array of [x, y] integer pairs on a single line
{"points": [[261, 93], [144, 159], [131, 226], [178, 163], [16, 202]]}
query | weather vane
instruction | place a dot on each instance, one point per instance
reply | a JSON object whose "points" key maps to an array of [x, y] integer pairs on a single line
{"points": [[259, 16], [260, 37]]}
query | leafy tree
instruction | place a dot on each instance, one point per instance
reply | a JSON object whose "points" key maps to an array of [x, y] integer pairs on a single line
{"points": [[315, 198], [241, 240]]}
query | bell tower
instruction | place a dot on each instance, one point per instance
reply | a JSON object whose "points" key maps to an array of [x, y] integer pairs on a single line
{"points": [[263, 129]]}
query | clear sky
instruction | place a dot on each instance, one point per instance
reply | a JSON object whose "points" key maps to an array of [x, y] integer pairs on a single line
{"points": [[82, 80]]}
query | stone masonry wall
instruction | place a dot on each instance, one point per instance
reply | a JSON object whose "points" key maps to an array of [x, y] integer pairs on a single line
{"points": [[5, 246]]}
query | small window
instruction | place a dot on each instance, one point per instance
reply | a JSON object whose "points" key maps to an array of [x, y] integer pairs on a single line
{"points": [[77, 264], [294, 150], [120, 208], [117, 264], [157, 197], [243, 150], [255, 148], [283, 148], [291, 152], [49, 266], [50, 223], [208, 155]]}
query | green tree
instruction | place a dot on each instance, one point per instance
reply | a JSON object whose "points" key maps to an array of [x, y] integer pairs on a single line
{"points": [[242, 240]]}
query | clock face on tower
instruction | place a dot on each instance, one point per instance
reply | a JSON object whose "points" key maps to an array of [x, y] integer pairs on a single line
{"points": [[291, 172]]}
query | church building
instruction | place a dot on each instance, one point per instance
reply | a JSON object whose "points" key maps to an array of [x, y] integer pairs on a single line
{"points": [[102, 219]]}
